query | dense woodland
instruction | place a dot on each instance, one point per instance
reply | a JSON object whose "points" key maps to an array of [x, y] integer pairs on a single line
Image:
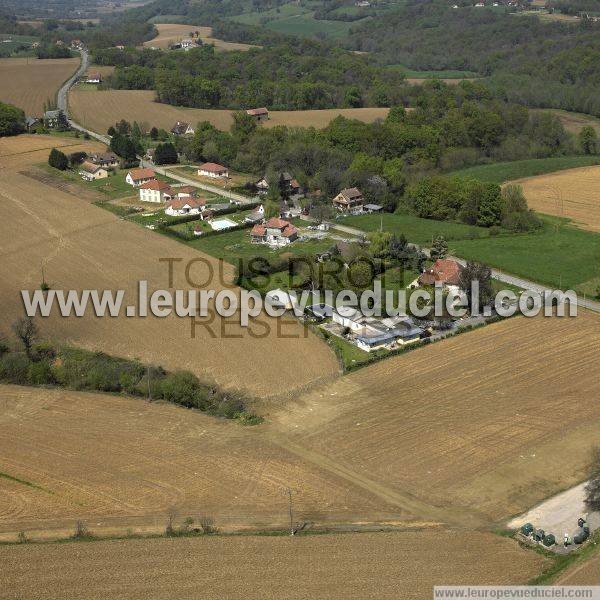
{"points": [[294, 76], [529, 61]]}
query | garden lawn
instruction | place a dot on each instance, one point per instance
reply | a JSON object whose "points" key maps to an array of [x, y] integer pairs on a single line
{"points": [[236, 244], [560, 256], [417, 230], [508, 171]]}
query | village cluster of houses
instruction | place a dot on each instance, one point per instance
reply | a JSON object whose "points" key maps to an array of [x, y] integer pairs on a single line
{"points": [[372, 333]]}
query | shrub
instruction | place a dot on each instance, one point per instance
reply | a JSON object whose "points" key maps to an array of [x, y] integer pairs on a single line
{"points": [[14, 368], [58, 160], [44, 351], [228, 406], [40, 373], [183, 387]]}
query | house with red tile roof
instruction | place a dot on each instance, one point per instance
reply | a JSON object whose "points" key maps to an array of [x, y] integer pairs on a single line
{"points": [[443, 271], [213, 170], [275, 232], [155, 191], [136, 177]]}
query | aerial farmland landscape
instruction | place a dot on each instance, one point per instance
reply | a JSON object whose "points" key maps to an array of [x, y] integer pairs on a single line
{"points": [[299, 299]]}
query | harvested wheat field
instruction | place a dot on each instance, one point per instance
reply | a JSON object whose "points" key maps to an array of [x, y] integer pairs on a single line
{"points": [[82, 246], [28, 82], [98, 110], [121, 462], [171, 33], [574, 193], [582, 573], [347, 566], [490, 422]]}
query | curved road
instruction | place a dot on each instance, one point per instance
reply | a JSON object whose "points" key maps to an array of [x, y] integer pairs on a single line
{"points": [[63, 94], [63, 105]]}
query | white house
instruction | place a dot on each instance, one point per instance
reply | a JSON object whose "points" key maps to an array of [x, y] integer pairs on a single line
{"points": [[137, 177], [91, 172], [369, 333], [185, 206], [187, 44], [213, 170], [94, 78], [155, 191]]}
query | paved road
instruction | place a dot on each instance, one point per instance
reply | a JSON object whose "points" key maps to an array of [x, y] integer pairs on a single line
{"points": [[203, 186], [63, 99], [499, 275], [496, 274]]}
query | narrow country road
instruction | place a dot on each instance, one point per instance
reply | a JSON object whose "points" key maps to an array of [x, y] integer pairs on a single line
{"points": [[496, 274], [63, 98], [63, 105], [195, 183]]}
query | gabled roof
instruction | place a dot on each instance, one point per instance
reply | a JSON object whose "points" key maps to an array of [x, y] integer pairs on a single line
{"points": [[255, 112], [212, 167], [349, 194], [180, 128], [258, 230], [89, 167], [104, 157], [187, 189], [445, 271], [180, 203], [139, 174], [156, 185]]}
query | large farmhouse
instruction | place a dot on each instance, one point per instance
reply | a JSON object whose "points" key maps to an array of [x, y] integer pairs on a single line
{"points": [[155, 191], [349, 200], [275, 232]]}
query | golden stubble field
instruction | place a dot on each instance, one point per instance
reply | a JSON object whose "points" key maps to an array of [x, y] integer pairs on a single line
{"points": [[573, 193], [338, 567], [82, 246], [486, 424], [120, 463], [29, 82], [98, 110], [170, 33], [582, 573]]}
